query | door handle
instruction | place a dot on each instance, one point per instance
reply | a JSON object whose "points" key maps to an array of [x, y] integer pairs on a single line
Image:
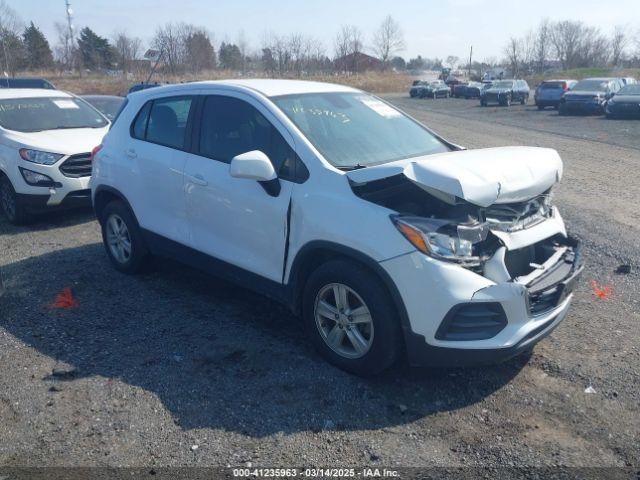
{"points": [[131, 153], [198, 179]]}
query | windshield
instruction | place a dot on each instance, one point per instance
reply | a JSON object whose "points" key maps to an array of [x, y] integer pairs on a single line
{"points": [[591, 85], [49, 113], [108, 106], [630, 90], [552, 86], [503, 84], [356, 129]]}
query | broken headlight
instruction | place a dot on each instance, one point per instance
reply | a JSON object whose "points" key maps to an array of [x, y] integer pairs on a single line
{"points": [[444, 239]]}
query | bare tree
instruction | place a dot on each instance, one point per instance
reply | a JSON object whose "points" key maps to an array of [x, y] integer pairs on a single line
{"points": [[577, 45], [348, 47], [127, 49], [452, 61], [514, 54], [65, 51], [388, 40], [619, 42], [169, 40], [242, 45], [542, 45], [11, 51]]}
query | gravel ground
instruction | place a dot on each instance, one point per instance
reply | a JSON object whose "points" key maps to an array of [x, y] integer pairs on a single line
{"points": [[174, 368]]}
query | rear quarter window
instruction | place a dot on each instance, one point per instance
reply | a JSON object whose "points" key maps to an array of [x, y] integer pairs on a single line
{"points": [[139, 125]]}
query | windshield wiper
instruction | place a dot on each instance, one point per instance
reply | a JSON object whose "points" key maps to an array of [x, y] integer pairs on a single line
{"points": [[348, 168]]}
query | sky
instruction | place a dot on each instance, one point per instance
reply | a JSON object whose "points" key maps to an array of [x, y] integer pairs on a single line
{"points": [[432, 28]]}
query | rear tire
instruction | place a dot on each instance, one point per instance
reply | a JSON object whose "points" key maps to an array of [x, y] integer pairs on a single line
{"points": [[540, 107], [122, 238], [331, 294], [523, 100], [12, 206]]}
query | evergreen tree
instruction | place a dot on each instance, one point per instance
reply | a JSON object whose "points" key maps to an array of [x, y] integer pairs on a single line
{"points": [[95, 51], [37, 51], [230, 56], [11, 52]]}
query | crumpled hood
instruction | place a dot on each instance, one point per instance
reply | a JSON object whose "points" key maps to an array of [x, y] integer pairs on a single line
{"points": [[482, 177], [66, 141]]}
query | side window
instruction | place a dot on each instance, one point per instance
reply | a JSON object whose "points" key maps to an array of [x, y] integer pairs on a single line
{"points": [[168, 121], [139, 126], [230, 126]]}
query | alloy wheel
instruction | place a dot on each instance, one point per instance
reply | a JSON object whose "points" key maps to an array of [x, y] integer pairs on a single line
{"points": [[118, 238], [343, 320]]}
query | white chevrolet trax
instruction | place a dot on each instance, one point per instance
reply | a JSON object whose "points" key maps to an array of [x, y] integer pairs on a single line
{"points": [[387, 239], [46, 137]]}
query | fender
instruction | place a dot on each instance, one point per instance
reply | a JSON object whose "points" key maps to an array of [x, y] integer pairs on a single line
{"points": [[113, 191], [306, 252]]}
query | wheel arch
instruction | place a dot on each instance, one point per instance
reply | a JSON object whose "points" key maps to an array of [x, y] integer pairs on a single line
{"points": [[105, 194], [315, 253]]}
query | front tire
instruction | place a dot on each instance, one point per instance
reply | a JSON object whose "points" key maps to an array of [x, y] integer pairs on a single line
{"points": [[122, 238], [350, 318], [12, 206]]}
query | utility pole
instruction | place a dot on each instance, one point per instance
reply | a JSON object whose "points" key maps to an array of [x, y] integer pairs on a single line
{"points": [[470, 55], [69, 42]]}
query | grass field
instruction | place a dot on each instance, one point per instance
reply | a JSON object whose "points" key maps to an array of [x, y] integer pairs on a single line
{"points": [[376, 82]]}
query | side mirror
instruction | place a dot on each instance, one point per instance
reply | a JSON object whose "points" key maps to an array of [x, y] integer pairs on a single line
{"points": [[255, 165]]}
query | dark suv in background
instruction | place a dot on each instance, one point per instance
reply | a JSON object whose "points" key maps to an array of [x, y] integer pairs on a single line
{"points": [[589, 96], [505, 92]]}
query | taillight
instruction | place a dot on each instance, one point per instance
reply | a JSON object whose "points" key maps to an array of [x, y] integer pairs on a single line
{"points": [[95, 150], [565, 86]]}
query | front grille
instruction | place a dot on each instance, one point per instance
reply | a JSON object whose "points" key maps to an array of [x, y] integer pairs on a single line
{"points": [[472, 321], [544, 301], [77, 166], [519, 215]]}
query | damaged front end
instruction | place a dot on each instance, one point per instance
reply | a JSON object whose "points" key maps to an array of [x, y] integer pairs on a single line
{"points": [[521, 246]]}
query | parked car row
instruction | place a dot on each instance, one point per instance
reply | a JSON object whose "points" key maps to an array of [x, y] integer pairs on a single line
{"points": [[615, 97], [386, 239], [435, 89]]}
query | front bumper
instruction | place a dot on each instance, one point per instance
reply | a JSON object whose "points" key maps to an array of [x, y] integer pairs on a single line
{"points": [[40, 203], [546, 102], [431, 290], [71, 176], [586, 107], [623, 110]]}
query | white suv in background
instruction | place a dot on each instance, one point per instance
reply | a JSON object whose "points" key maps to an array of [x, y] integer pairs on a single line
{"points": [[46, 137], [386, 238]]}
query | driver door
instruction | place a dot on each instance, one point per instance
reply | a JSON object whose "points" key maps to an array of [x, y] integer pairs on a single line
{"points": [[233, 219]]}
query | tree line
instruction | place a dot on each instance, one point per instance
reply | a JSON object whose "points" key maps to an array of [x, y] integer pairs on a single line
{"points": [[568, 44], [187, 48]]}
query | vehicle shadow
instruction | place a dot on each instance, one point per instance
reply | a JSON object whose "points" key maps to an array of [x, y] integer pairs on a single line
{"points": [[48, 220], [216, 355]]}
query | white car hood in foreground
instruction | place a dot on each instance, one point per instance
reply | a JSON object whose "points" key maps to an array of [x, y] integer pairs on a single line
{"points": [[482, 177], [66, 141]]}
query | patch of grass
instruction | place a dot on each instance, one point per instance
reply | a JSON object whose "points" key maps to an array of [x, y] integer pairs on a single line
{"points": [[376, 82]]}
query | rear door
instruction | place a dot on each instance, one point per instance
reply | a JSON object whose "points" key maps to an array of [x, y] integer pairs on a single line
{"points": [[157, 152], [232, 219]]}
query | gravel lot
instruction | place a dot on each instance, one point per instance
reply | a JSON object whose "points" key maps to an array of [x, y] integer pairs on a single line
{"points": [[174, 368]]}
